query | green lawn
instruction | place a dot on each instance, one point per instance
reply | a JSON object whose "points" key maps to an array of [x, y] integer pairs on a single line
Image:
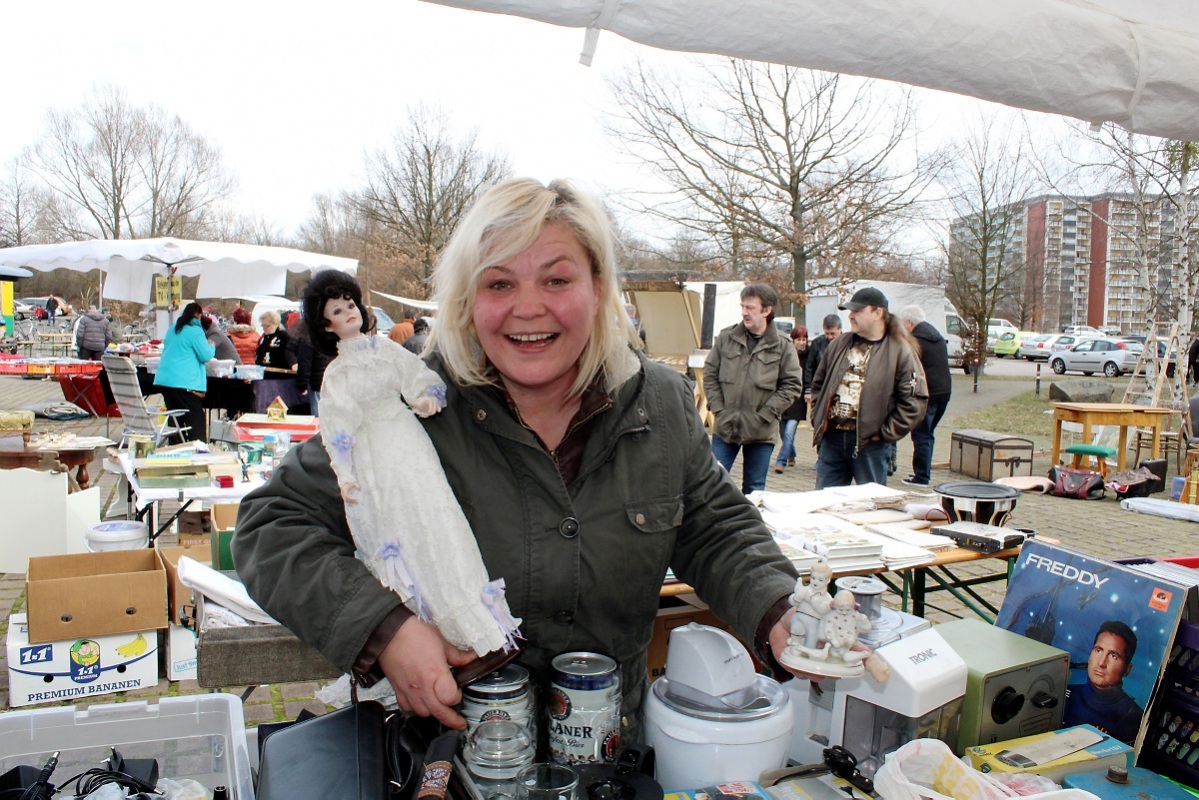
{"points": [[1023, 415]]}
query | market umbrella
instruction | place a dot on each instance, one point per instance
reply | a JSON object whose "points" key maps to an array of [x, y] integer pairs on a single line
{"points": [[1125, 61], [225, 269]]}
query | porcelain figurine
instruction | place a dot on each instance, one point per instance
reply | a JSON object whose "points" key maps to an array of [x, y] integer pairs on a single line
{"points": [[836, 631]]}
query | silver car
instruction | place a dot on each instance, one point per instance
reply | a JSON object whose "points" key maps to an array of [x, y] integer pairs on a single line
{"points": [[1112, 357], [1031, 347], [1049, 345]]}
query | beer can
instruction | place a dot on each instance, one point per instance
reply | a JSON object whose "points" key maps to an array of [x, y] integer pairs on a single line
{"points": [[504, 694], [583, 709]]}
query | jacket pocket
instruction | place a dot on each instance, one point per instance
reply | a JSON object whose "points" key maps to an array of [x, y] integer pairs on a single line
{"points": [[766, 372], [657, 515]]}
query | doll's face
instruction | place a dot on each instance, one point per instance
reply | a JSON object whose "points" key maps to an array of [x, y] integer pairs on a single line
{"points": [[342, 317]]}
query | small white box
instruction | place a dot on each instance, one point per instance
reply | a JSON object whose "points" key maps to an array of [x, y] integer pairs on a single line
{"points": [[80, 668], [181, 653]]}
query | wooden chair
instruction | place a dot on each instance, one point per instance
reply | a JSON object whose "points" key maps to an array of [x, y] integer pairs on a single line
{"points": [[137, 418]]}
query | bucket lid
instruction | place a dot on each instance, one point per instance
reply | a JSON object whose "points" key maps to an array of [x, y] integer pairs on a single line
{"points": [[762, 698], [977, 490], [121, 528]]}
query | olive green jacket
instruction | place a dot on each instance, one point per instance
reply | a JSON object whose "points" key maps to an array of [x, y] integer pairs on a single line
{"points": [[748, 392], [583, 563]]}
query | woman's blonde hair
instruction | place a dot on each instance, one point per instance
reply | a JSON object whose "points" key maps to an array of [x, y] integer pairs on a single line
{"points": [[505, 220], [268, 318]]}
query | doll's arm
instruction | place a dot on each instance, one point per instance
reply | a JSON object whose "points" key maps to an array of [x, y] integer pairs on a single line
{"points": [[341, 419], [420, 386]]}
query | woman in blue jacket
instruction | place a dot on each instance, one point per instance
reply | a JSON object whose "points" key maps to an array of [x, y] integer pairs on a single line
{"points": [[181, 376]]}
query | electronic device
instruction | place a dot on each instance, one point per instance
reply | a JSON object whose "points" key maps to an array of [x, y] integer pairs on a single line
{"points": [[981, 536], [1015, 686], [921, 699]]}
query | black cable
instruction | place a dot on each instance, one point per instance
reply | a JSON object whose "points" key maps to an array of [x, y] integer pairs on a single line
{"points": [[41, 788]]}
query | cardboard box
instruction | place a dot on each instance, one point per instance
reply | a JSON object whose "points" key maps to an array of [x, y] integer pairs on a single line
{"points": [[180, 606], [180, 653], [673, 613], [75, 669], [194, 522], [224, 520], [1107, 752], [95, 594]]}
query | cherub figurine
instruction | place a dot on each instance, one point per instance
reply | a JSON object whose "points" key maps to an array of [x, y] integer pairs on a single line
{"points": [[405, 520], [811, 601], [842, 626]]}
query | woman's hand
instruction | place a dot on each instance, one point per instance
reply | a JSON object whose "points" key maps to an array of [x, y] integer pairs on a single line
{"points": [[417, 661]]}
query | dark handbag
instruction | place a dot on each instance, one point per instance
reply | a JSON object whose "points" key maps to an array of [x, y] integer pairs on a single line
{"points": [[1080, 484], [1132, 482], [336, 756]]}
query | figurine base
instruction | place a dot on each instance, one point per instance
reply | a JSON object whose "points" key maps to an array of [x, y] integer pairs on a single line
{"points": [[831, 667]]}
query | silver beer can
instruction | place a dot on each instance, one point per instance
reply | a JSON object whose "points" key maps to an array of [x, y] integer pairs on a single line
{"points": [[504, 694], [583, 709]]}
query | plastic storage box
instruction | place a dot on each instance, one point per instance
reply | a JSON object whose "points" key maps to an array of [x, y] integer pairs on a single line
{"points": [[202, 737]]}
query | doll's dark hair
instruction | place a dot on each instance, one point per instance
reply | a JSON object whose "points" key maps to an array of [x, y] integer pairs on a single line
{"points": [[327, 285]]}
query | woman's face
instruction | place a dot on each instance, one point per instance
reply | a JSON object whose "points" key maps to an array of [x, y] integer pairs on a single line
{"points": [[269, 327], [343, 317], [535, 313]]}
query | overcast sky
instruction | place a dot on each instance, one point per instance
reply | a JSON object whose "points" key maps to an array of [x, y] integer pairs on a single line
{"points": [[294, 93]]}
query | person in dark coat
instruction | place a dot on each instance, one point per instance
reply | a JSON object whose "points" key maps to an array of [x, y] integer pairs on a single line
{"points": [[1193, 361], [832, 329], [934, 357], [274, 349], [797, 412], [225, 349], [310, 370], [420, 334]]}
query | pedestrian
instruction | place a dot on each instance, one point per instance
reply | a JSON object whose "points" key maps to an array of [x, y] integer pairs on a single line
{"points": [[274, 349], [181, 376], [404, 328], [582, 467], [796, 413], [225, 349], [751, 376], [869, 391], [310, 370], [93, 334], [934, 358], [416, 342], [1193, 360], [52, 309], [243, 336], [831, 327]]}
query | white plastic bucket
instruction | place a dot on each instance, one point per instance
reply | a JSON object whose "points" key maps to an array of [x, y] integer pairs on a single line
{"points": [[120, 534]]}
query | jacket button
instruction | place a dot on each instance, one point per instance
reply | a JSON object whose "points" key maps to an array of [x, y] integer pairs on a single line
{"points": [[639, 519], [564, 618], [569, 527], [480, 415]]}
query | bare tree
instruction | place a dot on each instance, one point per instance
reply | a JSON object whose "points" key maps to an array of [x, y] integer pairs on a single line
{"points": [[118, 171], [416, 192], [985, 256], [22, 206], [767, 159]]}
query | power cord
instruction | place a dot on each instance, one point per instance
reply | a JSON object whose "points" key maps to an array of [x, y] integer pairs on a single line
{"points": [[41, 788]]}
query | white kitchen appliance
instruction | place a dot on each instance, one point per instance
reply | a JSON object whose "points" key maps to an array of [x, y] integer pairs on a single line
{"points": [[711, 718], [922, 698]]}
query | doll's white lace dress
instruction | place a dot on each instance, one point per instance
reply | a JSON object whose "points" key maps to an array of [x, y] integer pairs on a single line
{"points": [[407, 524]]}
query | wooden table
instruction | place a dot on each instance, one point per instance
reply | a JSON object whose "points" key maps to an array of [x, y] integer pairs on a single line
{"points": [[1122, 415], [14, 453], [914, 585]]}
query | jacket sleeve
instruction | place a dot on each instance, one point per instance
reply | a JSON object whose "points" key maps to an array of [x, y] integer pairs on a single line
{"points": [[723, 548], [910, 393], [712, 391], [293, 550], [304, 356], [790, 383]]}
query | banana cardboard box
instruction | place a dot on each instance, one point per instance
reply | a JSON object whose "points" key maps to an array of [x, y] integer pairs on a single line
{"points": [[80, 668]]}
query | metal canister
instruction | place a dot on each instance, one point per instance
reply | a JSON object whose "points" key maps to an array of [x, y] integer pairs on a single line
{"points": [[583, 709], [504, 694]]}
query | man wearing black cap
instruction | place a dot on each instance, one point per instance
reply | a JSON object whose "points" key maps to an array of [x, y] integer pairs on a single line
{"points": [[868, 392]]}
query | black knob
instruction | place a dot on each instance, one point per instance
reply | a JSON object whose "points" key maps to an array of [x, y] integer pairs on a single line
{"points": [[1007, 705], [1044, 700]]}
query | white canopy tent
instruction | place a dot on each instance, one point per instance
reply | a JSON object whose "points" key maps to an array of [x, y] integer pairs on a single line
{"points": [[1132, 62], [424, 305], [225, 269]]}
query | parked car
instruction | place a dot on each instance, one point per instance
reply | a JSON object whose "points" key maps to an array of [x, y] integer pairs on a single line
{"points": [[1112, 357], [1008, 343], [22, 310], [1051, 344], [1033, 347], [37, 304], [1081, 330]]}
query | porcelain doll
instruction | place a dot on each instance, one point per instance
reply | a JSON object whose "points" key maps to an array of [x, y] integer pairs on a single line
{"points": [[405, 520]]}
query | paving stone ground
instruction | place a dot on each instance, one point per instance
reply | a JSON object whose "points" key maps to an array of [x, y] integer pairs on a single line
{"points": [[1100, 527]]}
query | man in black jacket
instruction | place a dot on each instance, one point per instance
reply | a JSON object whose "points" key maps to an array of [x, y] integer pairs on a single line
{"points": [[934, 357], [832, 329]]}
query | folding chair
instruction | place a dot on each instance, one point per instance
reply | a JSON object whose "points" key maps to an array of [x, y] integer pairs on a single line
{"points": [[137, 418]]}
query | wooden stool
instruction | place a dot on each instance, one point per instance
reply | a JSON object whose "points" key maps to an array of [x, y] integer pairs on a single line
{"points": [[1096, 451]]}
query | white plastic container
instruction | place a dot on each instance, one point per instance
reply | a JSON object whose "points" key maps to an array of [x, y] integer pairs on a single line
{"points": [[201, 737], [117, 534]]}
